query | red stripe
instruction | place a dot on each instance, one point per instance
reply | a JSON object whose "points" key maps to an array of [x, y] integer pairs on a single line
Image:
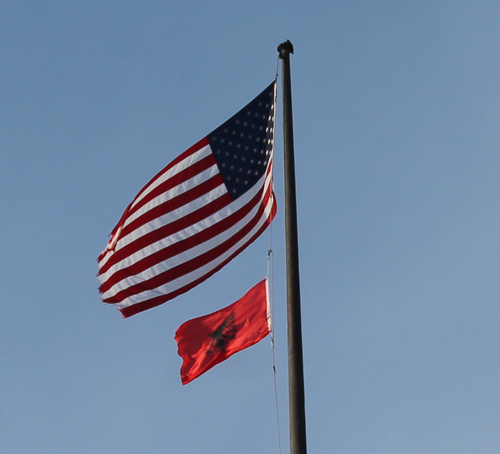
{"points": [[194, 263], [112, 234], [191, 150], [174, 203], [175, 180], [158, 300], [181, 246], [178, 247], [158, 235], [185, 222], [172, 227]]}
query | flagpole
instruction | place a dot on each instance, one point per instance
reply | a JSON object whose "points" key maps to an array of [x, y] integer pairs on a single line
{"points": [[295, 359]]}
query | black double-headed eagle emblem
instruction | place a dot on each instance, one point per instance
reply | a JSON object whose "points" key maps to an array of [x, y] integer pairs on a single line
{"points": [[223, 335]]}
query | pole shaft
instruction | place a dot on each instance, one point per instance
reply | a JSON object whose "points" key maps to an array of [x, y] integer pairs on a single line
{"points": [[295, 357]]}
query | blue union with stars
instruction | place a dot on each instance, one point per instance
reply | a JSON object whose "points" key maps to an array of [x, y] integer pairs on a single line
{"points": [[243, 145]]}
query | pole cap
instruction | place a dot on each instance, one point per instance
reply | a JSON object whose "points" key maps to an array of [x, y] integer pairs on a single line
{"points": [[285, 49]]}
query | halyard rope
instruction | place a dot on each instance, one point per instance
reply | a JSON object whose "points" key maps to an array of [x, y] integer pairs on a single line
{"points": [[270, 274]]}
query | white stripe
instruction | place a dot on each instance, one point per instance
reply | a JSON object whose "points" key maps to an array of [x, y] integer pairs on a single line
{"points": [[179, 259], [179, 236], [172, 216], [194, 275], [176, 191], [159, 222], [106, 257], [179, 167], [165, 242]]}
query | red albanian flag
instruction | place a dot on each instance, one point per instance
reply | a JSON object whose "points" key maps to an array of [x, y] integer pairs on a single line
{"points": [[206, 341]]}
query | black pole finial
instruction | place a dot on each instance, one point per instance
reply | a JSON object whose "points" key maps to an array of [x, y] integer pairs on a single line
{"points": [[285, 48]]}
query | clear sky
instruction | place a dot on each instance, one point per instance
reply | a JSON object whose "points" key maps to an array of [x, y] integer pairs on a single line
{"points": [[396, 115]]}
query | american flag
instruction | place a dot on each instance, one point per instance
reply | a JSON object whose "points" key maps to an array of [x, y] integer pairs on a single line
{"points": [[195, 215]]}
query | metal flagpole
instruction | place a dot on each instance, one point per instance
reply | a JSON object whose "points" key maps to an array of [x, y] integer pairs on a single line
{"points": [[295, 360]]}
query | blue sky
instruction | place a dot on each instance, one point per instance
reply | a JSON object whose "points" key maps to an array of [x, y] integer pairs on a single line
{"points": [[396, 115]]}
